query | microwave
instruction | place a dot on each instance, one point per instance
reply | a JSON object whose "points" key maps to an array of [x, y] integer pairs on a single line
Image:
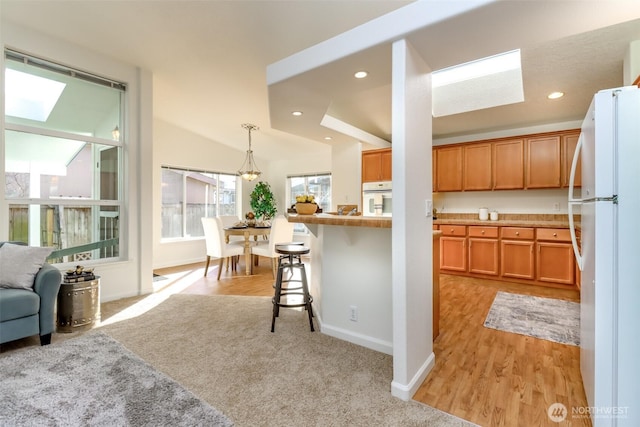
{"points": [[376, 198]]}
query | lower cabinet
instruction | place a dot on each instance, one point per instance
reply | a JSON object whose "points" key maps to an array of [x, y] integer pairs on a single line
{"points": [[483, 250], [517, 259], [555, 260], [517, 253], [453, 248], [542, 256]]}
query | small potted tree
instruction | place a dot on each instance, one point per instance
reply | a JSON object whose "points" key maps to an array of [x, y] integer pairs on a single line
{"points": [[263, 203]]}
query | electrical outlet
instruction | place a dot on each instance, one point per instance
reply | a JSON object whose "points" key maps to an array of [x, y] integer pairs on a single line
{"points": [[353, 313], [428, 206]]}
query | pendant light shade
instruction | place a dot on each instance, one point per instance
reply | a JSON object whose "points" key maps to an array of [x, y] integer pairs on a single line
{"points": [[249, 171]]}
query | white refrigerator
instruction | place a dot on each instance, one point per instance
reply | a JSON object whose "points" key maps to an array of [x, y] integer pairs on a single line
{"points": [[609, 256]]}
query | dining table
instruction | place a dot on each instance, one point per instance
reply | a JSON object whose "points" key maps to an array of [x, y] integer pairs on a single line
{"points": [[247, 232]]}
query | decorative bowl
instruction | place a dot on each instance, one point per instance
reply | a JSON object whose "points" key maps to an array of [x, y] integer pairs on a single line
{"points": [[306, 208]]}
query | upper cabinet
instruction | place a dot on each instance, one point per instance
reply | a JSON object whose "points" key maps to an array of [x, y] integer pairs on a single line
{"points": [[476, 174], [376, 165], [569, 142], [543, 162], [526, 162], [508, 164], [449, 168]]}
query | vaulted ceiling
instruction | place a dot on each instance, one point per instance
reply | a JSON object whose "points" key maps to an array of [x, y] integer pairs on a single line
{"points": [[209, 60]]}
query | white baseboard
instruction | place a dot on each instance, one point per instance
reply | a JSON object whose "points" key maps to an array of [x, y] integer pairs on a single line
{"points": [[406, 391], [363, 340]]}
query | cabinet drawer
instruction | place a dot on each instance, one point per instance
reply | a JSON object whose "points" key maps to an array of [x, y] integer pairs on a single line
{"points": [[517, 233], [554, 234], [477, 231], [453, 230]]}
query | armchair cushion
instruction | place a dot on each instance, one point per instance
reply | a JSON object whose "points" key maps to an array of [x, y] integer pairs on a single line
{"points": [[19, 265]]}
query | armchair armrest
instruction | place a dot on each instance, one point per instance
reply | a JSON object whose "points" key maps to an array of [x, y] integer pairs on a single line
{"points": [[47, 285]]}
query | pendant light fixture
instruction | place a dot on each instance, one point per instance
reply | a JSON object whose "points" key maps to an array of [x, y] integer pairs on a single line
{"points": [[249, 171]]}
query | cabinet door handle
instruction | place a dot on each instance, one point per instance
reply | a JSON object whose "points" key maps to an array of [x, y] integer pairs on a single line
{"points": [[482, 232], [517, 233], [555, 234]]}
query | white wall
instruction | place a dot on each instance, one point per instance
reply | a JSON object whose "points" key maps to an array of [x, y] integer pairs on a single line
{"points": [[346, 163], [132, 275]]}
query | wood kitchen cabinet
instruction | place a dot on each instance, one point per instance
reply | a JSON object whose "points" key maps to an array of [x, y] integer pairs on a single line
{"points": [[376, 165], [483, 250], [569, 142], [543, 162], [449, 168], [453, 248], [555, 260], [540, 160], [477, 167], [537, 256], [517, 253], [508, 164]]}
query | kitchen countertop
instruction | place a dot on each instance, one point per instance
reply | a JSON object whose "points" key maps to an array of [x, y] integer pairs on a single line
{"points": [[503, 223], [508, 220]]}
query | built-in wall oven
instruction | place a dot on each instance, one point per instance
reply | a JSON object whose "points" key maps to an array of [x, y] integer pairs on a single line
{"points": [[376, 198]]}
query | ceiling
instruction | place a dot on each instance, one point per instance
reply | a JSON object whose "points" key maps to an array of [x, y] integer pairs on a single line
{"points": [[209, 60]]}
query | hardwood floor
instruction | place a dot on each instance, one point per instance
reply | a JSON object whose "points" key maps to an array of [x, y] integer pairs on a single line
{"points": [[488, 377], [496, 378]]}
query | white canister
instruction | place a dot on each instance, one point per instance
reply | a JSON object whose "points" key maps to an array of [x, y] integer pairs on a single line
{"points": [[493, 216], [483, 214]]}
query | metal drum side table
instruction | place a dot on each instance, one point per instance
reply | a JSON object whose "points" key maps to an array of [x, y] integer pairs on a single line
{"points": [[78, 305]]}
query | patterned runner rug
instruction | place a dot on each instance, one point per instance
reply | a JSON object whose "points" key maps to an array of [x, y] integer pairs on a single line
{"points": [[545, 318]]}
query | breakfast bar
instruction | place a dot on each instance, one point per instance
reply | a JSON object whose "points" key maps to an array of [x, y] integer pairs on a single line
{"points": [[351, 277]]}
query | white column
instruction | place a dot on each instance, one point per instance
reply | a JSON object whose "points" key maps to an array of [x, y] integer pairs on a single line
{"points": [[413, 356]]}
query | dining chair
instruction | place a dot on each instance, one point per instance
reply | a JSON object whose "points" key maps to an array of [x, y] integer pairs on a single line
{"points": [[281, 232], [230, 221], [216, 245]]}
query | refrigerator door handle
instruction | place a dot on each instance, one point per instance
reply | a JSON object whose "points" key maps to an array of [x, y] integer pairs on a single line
{"points": [[574, 240], [572, 202]]}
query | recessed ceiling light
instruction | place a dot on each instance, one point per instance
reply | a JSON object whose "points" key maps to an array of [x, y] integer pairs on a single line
{"points": [[297, 113], [328, 138], [360, 74], [555, 95]]}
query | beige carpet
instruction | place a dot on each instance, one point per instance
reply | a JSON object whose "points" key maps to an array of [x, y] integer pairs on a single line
{"points": [[221, 349]]}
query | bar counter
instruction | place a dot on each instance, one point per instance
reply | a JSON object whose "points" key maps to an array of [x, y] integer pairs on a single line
{"points": [[342, 220]]}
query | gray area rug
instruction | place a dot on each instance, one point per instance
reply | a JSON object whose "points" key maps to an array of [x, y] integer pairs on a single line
{"points": [[546, 318], [94, 381], [221, 348]]}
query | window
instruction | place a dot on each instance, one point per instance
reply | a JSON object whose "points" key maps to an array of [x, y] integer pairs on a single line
{"points": [[63, 158], [319, 185], [189, 195]]}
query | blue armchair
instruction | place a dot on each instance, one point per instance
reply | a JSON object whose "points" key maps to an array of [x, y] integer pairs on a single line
{"points": [[24, 313]]}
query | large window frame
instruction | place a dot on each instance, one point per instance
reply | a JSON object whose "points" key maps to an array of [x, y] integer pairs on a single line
{"points": [[47, 217], [188, 195]]}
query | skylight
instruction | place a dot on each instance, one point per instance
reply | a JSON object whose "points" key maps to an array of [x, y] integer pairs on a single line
{"points": [[484, 83], [30, 97]]}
